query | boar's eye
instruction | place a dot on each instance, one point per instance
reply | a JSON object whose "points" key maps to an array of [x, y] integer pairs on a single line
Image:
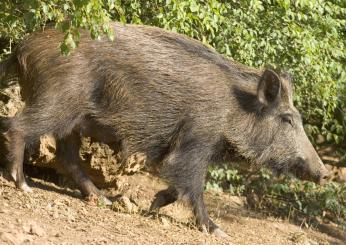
{"points": [[287, 118]]}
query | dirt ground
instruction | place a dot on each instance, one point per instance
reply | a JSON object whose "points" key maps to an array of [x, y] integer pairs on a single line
{"points": [[53, 214]]}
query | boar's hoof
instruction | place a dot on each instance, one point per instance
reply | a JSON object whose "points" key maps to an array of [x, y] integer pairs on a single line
{"points": [[20, 182], [204, 229], [216, 232], [24, 187], [219, 233]]}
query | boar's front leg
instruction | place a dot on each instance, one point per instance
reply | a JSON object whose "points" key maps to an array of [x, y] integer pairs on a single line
{"points": [[185, 169], [68, 155]]}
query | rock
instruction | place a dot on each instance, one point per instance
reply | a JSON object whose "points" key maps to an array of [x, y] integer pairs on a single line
{"points": [[125, 205], [301, 239], [44, 154], [135, 163], [98, 200], [55, 215], [100, 161], [10, 101], [165, 222], [36, 230]]}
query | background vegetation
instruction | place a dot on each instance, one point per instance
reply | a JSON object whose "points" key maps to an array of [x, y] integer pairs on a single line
{"points": [[305, 37], [303, 202]]}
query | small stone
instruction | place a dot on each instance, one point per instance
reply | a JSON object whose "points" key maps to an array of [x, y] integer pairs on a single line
{"points": [[299, 237], [135, 163], [124, 204], [71, 218], [83, 211], [26, 228], [165, 222], [49, 206], [92, 199], [58, 203], [55, 215], [36, 230], [104, 201]]}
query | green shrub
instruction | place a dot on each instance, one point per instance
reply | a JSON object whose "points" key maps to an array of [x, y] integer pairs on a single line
{"points": [[225, 178], [285, 197], [298, 200], [305, 37], [20, 17]]}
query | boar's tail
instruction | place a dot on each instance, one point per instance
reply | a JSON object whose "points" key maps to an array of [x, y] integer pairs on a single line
{"points": [[6, 68]]}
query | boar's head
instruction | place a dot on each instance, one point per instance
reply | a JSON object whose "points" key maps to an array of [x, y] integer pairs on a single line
{"points": [[273, 133]]}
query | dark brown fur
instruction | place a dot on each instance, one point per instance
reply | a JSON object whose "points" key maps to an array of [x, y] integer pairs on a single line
{"points": [[159, 93]]}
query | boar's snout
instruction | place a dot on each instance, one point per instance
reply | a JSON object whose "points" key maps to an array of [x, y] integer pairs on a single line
{"points": [[312, 170], [323, 176], [309, 165]]}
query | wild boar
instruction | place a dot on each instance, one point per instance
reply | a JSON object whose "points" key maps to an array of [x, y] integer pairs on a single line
{"points": [[159, 93]]}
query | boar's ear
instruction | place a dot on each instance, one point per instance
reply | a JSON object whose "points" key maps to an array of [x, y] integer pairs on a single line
{"points": [[269, 88]]}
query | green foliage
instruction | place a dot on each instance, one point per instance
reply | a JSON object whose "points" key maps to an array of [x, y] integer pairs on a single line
{"points": [[225, 178], [286, 197], [20, 17], [307, 38], [294, 199]]}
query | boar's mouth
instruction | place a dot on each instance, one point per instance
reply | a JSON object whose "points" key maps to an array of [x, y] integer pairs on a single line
{"points": [[298, 168], [301, 172]]}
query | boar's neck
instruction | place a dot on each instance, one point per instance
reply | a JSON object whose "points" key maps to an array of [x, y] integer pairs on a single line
{"points": [[243, 129]]}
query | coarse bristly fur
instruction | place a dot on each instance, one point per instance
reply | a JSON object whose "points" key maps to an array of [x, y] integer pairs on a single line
{"points": [[159, 93]]}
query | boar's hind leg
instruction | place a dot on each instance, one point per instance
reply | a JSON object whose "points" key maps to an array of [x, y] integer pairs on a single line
{"points": [[15, 146], [163, 198], [68, 156], [185, 169]]}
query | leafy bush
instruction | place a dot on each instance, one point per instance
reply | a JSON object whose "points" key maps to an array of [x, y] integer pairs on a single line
{"points": [[307, 38], [286, 197], [225, 178], [20, 17], [294, 199]]}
